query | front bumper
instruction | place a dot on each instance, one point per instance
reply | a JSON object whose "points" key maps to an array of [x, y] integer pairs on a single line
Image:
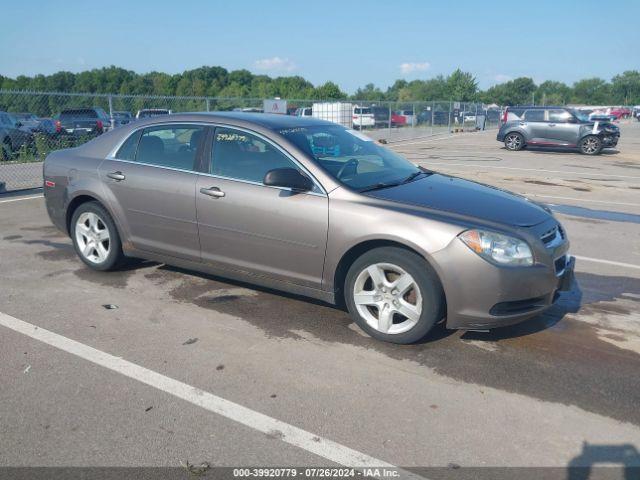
{"points": [[481, 295]]}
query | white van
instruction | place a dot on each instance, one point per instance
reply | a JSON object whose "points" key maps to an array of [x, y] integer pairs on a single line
{"points": [[363, 117]]}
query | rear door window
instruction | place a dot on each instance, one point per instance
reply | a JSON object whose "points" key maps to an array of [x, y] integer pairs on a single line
{"points": [[534, 116], [173, 146]]}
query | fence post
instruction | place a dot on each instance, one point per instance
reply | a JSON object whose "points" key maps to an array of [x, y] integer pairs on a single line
{"points": [[433, 111], [208, 105], [475, 127], [449, 119], [389, 120], [413, 116], [113, 120]]}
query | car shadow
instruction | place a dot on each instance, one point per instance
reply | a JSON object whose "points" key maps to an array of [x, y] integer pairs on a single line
{"points": [[547, 150], [625, 456], [438, 332]]}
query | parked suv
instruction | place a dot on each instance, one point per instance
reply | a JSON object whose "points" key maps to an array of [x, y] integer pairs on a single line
{"points": [[555, 127]]}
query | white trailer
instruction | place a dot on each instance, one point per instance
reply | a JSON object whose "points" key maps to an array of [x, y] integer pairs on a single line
{"points": [[336, 112]]}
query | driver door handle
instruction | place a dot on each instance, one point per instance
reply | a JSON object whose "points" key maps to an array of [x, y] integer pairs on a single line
{"points": [[552, 124], [212, 192], [118, 176]]}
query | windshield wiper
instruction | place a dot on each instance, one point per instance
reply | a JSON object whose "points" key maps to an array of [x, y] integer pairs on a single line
{"points": [[414, 175], [381, 185]]}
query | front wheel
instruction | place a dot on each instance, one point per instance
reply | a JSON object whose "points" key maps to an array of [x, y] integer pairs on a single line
{"points": [[95, 237], [514, 141], [590, 145], [394, 295]]}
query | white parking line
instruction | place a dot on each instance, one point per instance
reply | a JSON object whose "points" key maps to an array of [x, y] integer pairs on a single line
{"points": [[607, 262], [473, 165], [308, 441], [21, 198]]}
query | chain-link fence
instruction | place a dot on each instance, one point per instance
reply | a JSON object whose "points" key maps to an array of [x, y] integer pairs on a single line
{"points": [[34, 123]]}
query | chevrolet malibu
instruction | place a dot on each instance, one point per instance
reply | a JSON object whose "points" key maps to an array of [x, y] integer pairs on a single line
{"points": [[310, 207]]}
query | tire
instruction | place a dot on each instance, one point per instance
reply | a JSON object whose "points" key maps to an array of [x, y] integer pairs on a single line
{"points": [[420, 295], [514, 141], [106, 253], [590, 145]]}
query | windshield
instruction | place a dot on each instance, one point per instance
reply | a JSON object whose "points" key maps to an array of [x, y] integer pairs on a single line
{"points": [[582, 116], [349, 156]]}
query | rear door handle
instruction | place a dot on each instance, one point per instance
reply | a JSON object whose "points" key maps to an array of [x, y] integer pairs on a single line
{"points": [[552, 124], [212, 192], [119, 176]]}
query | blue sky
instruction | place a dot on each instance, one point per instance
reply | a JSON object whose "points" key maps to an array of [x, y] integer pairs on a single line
{"points": [[350, 42]]}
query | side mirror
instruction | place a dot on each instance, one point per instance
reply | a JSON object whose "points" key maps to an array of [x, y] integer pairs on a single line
{"points": [[572, 120], [288, 178]]}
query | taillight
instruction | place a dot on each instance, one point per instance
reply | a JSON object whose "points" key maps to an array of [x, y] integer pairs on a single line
{"points": [[99, 125], [58, 126], [504, 115]]}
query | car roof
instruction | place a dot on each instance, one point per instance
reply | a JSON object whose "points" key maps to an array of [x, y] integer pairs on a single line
{"points": [[269, 121]]}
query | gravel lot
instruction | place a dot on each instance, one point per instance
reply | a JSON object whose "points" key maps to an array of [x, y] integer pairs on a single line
{"points": [[561, 388]]}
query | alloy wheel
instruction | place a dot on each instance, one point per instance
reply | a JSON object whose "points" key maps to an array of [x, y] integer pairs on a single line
{"points": [[387, 298], [590, 145], [514, 141], [92, 237]]}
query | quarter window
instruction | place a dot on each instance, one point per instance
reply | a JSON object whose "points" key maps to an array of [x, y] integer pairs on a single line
{"points": [[170, 146], [128, 149], [243, 156]]}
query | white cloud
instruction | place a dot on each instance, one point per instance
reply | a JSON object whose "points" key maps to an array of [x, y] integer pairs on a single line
{"points": [[275, 64], [501, 78], [410, 67]]}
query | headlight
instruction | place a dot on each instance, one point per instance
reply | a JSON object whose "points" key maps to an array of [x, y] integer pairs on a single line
{"points": [[498, 248]]}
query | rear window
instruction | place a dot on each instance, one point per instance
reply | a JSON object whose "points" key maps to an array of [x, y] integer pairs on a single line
{"points": [[362, 111], [516, 111], [80, 112]]}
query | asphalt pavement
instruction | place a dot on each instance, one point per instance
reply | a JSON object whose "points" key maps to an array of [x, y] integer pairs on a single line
{"points": [[189, 367]]}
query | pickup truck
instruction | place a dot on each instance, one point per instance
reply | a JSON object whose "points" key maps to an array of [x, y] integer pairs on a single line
{"points": [[83, 121]]}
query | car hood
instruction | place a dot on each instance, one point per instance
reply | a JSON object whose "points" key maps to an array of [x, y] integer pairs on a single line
{"points": [[463, 197]]}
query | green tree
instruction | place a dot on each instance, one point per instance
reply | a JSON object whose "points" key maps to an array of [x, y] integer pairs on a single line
{"points": [[626, 87], [592, 91], [514, 92], [553, 93], [329, 91], [461, 86], [369, 92]]}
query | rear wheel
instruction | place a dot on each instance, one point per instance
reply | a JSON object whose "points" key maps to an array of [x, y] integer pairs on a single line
{"points": [[95, 237], [394, 295], [590, 145], [514, 141]]}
